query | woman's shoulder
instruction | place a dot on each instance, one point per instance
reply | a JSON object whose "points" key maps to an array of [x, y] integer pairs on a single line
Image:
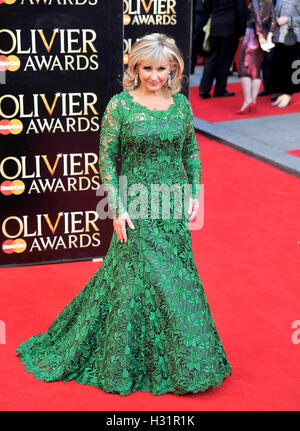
{"points": [[182, 97], [183, 101], [179, 99], [117, 101], [117, 97]]}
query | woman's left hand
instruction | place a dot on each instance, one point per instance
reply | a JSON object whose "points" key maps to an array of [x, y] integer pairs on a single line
{"points": [[193, 208], [282, 20], [269, 37]]}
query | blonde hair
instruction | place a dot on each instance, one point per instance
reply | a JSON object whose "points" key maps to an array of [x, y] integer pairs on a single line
{"points": [[155, 46]]}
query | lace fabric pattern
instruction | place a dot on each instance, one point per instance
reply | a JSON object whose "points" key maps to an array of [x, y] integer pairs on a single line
{"points": [[142, 322]]}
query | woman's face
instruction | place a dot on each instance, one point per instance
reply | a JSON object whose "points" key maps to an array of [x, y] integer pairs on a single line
{"points": [[153, 75]]}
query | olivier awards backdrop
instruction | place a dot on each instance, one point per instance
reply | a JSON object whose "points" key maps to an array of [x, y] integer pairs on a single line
{"points": [[60, 62]]}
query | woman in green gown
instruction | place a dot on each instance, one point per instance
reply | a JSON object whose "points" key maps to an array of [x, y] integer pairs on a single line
{"points": [[142, 322]]}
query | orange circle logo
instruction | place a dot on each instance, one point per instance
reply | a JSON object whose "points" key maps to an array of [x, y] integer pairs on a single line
{"points": [[125, 58], [14, 246], [126, 19], [14, 127], [15, 187], [3, 60], [4, 127], [8, 246]]}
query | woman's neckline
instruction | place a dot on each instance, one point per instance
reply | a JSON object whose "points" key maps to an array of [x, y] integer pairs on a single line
{"points": [[154, 109]]}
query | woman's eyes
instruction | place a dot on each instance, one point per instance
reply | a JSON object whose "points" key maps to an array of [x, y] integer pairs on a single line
{"points": [[149, 68]]}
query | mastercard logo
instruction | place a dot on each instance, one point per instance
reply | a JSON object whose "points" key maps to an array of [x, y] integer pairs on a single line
{"points": [[15, 187], [14, 127], [126, 19], [14, 246], [10, 63], [8, 1]]}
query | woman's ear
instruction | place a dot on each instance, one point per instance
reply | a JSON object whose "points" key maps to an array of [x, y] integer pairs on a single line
{"points": [[173, 70]]}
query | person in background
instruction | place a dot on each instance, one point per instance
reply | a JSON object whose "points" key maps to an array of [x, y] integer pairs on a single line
{"points": [[228, 23], [200, 17], [266, 70], [288, 14], [261, 23]]}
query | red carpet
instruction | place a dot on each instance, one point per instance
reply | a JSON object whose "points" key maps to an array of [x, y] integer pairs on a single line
{"points": [[294, 153], [247, 255], [226, 108]]}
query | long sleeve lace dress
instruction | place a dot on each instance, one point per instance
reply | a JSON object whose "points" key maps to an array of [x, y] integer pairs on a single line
{"points": [[142, 322]]}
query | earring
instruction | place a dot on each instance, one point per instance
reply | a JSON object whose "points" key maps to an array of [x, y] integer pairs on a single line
{"points": [[136, 81], [169, 81]]}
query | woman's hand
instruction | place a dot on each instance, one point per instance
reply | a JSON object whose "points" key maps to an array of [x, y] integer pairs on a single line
{"points": [[193, 208], [262, 40], [269, 37], [120, 226], [282, 20]]}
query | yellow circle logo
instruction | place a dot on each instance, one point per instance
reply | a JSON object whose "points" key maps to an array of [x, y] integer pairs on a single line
{"points": [[19, 187], [16, 126], [20, 245], [126, 19], [13, 63]]}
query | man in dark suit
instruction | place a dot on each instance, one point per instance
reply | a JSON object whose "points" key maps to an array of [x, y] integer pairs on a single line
{"points": [[228, 24], [200, 17]]}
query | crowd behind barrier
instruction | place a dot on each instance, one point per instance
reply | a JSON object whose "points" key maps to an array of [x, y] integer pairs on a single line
{"points": [[257, 39]]}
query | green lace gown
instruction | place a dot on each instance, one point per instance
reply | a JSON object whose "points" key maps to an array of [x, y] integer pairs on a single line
{"points": [[142, 322]]}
